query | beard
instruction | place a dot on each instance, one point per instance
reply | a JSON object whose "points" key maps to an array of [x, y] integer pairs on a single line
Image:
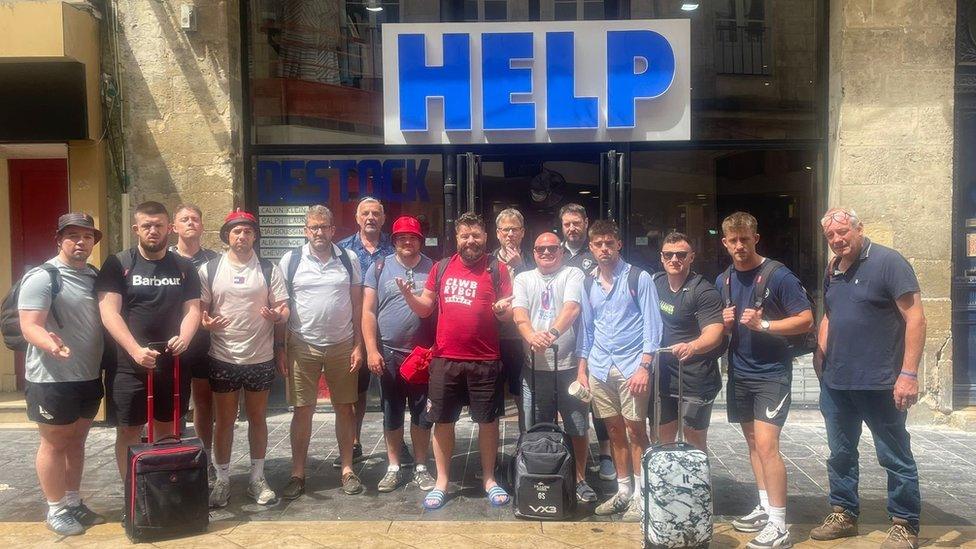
{"points": [[472, 253], [154, 248]]}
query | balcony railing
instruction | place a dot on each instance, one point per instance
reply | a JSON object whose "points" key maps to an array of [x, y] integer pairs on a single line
{"points": [[743, 49]]}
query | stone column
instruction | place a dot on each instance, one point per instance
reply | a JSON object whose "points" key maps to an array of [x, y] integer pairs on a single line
{"points": [[890, 150], [182, 105]]}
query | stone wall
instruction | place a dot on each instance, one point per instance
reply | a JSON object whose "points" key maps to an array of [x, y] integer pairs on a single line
{"points": [[182, 105], [890, 150]]}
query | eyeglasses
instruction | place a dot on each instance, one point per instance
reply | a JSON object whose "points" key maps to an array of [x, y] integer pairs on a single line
{"points": [[509, 230], [318, 228], [546, 249], [840, 216], [680, 255]]}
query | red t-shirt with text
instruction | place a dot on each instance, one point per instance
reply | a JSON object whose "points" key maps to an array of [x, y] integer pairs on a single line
{"points": [[466, 325]]}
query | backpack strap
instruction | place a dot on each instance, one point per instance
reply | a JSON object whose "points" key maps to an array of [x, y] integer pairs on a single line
{"points": [[588, 284], [266, 269], [494, 272], [293, 260], [727, 287], [441, 269], [55, 275], [212, 266], [766, 270], [633, 279], [344, 258]]}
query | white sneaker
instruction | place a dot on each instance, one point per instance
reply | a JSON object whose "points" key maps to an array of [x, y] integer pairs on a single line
{"points": [[260, 492], [753, 522], [636, 510], [220, 493], [771, 537]]}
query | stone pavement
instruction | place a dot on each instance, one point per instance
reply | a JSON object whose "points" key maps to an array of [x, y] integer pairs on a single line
{"points": [[947, 461]]}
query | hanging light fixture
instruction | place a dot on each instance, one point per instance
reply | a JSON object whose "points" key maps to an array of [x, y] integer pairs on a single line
{"points": [[374, 5]]}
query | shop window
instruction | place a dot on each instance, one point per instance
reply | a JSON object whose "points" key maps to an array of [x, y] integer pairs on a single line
{"points": [[743, 44], [485, 10], [574, 10]]}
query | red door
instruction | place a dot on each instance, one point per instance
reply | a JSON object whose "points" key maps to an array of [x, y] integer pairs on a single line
{"points": [[38, 196]]}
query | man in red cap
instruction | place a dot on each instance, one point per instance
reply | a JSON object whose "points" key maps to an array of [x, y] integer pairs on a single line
{"points": [[391, 331], [243, 296]]}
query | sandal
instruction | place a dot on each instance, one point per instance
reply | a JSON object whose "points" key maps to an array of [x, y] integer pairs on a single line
{"points": [[497, 496], [434, 499]]}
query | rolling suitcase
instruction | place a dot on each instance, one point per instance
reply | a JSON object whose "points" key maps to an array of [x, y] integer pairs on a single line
{"points": [[677, 485], [166, 480], [543, 471]]}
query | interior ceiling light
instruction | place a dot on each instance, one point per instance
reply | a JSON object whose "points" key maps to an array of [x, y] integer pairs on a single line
{"points": [[689, 6], [585, 192], [374, 5]]}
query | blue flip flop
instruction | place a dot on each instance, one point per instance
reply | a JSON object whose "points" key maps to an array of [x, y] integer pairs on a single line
{"points": [[437, 496], [497, 496]]}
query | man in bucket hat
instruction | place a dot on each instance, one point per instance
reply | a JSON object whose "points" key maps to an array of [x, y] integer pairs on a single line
{"points": [[391, 331], [59, 320], [243, 297]]}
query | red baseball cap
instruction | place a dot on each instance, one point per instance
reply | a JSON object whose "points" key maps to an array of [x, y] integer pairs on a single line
{"points": [[238, 217], [407, 225]]}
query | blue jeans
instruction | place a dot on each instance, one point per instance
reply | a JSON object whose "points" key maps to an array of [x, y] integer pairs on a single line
{"points": [[844, 411]]}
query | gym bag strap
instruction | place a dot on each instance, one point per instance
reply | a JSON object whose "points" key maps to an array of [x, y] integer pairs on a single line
{"points": [[633, 280]]}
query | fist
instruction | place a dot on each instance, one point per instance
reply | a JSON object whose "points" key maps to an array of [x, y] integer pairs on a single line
{"points": [[728, 317]]}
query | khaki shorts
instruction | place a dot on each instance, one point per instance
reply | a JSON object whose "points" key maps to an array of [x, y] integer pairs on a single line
{"points": [[612, 398], [307, 363]]}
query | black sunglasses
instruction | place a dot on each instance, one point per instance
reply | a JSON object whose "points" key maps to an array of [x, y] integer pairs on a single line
{"points": [[546, 249], [668, 255]]}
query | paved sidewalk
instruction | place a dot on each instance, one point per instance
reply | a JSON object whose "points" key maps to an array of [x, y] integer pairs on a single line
{"points": [[947, 460]]}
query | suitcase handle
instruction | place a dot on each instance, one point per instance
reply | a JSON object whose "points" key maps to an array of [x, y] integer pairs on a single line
{"points": [[656, 366], [555, 385], [150, 398]]}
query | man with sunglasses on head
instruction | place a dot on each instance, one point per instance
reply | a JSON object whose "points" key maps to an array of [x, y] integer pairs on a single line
{"points": [[545, 308], [390, 332], [369, 244], [869, 347], [691, 309]]}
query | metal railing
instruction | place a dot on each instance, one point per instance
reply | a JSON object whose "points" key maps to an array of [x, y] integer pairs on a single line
{"points": [[806, 386], [743, 49]]}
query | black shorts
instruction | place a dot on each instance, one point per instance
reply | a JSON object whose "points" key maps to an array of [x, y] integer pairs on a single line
{"points": [[396, 395], [63, 402], [697, 409], [197, 358], [365, 376], [453, 384], [127, 394], [512, 353], [766, 400], [228, 378]]}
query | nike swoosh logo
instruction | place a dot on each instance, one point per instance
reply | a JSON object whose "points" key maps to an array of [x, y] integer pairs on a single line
{"points": [[770, 414]]}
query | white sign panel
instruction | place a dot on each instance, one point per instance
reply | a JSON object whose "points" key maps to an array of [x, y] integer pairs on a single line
{"points": [[537, 82]]}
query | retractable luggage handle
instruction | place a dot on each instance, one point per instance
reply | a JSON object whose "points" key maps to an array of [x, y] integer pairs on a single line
{"points": [[656, 366], [150, 398], [555, 385]]}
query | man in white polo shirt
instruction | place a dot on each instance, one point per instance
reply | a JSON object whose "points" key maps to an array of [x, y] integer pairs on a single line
{"points": [[323, 338]]}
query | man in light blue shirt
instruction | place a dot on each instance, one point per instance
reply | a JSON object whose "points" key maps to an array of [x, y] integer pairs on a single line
{"points": [[620, 332]]}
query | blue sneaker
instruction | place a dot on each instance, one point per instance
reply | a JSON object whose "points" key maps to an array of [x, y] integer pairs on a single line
{"points": [[607, 471]]}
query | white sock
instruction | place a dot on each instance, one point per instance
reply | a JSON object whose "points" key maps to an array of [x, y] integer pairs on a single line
{"points": [[257, 469], [624, 487], [764, 499], [638, 485], [392, 467], [223, 472], [777, 517], [419, 468], [72, 498], [55, 507]]}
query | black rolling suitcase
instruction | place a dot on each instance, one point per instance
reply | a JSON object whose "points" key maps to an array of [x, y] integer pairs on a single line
{"points": [[166, 480], [677, 484], [543, 471]]}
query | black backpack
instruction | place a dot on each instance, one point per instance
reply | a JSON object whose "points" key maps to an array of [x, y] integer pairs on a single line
{"points": [[296, 258], [799, 344], [633, 278], [13, 337]]}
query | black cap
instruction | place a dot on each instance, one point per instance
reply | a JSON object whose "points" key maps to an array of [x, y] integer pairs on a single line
{"points": [[78, 219]]}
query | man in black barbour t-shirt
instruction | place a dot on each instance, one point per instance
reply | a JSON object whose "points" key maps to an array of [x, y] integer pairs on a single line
{"points": [[691, 308], [147, 295]]}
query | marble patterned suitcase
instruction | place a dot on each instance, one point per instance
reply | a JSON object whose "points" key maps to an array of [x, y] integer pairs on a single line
{"points": [[677, 487]]}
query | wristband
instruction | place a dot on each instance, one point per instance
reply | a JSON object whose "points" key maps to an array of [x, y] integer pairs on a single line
{"points": [[909, 374]]}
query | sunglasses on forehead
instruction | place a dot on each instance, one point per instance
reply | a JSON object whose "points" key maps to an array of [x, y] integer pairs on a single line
{"points": [[680, 255]]}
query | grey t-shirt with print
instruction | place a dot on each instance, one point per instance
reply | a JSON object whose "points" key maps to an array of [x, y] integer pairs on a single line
{"points": [[77, 308]]}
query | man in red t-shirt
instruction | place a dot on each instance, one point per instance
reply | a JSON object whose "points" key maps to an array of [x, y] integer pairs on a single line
{"points": [[465, 369]]}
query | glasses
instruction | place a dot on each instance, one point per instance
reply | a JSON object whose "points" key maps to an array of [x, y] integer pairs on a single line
{"points": [[840, 216], [509, 230], [680, 255], [318, 228], [546, 249]]}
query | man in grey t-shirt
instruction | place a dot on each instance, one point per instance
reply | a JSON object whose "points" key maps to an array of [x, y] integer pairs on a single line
{"points": [[391, 331], [546, 305], [59, 320]]}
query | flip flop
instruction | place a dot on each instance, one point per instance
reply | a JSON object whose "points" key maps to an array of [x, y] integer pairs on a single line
{"points": [[497, 496], [438, 497]]}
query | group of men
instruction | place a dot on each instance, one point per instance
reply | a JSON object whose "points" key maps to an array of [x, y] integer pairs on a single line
{"points": [[572, 310]]}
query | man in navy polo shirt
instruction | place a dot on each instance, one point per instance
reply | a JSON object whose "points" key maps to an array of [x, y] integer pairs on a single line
{"points": [[869, 346]]}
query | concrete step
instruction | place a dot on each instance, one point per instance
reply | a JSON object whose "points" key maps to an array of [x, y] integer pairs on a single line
{"points": [[13, 408]]}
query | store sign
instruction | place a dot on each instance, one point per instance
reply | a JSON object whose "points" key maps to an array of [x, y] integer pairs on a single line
{"points": [[536, 82], [315, 181]]}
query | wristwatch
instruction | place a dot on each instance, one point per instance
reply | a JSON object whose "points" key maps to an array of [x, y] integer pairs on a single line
{"points": [[764, 324], [554, 332]]}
